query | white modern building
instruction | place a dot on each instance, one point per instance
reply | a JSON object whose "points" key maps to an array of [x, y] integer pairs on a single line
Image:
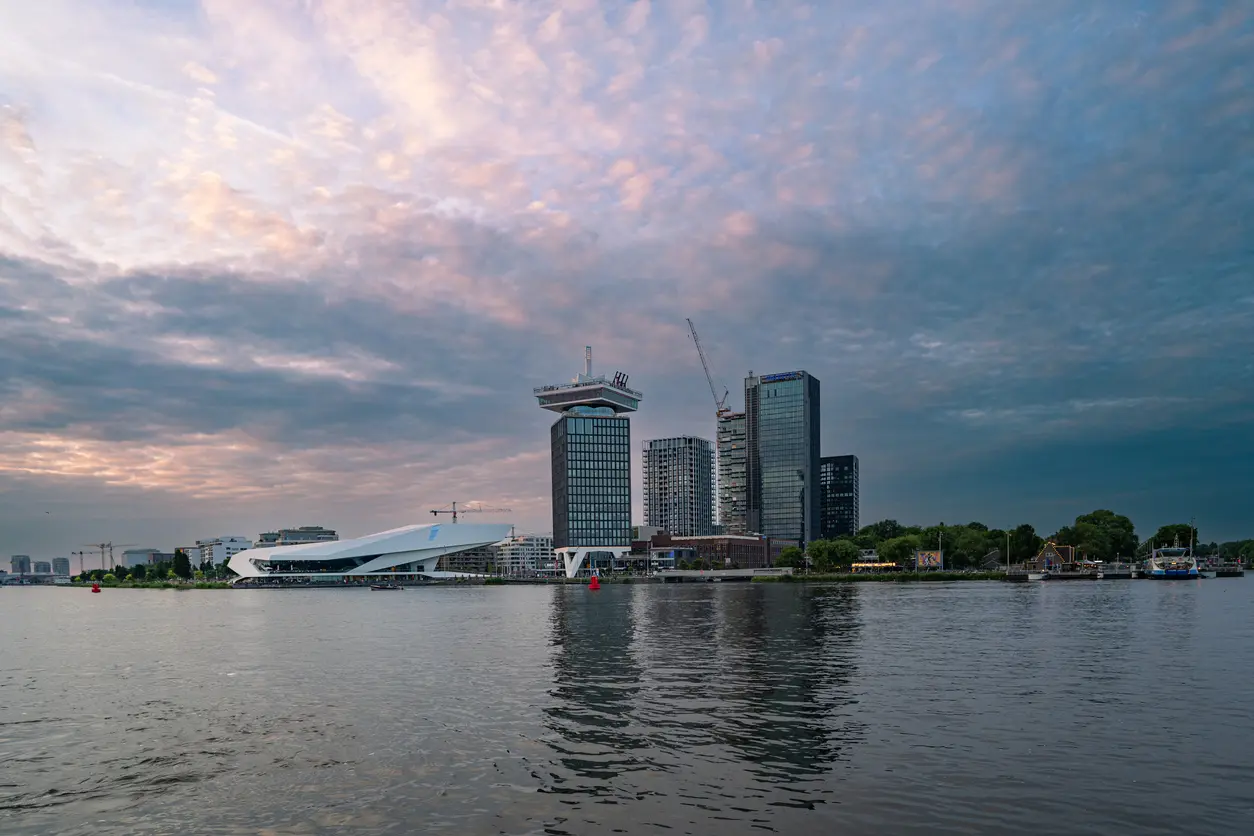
{"points": [[525, 554], [43, 567], [61, 566], [219, 549], [402, 553]]}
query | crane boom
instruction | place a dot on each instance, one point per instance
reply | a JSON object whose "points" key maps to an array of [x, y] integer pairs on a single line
{"points": [[464, 510], [719, 403]]}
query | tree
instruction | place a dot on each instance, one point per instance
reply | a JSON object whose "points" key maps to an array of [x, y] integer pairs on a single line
{"points": [[198, 575], [139, 572], [1166, 536], [790, 556], [182, 565], [171, 576], [882, 530], [897, 550], [110, 577], [1024, 544]]}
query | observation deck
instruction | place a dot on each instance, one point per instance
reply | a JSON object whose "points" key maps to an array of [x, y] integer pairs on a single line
{"points": [[592, 392]]}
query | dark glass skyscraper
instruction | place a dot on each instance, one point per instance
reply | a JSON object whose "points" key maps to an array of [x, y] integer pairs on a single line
{"points": [[838, 490], [591, 480], [782, 434], [591, 458]]}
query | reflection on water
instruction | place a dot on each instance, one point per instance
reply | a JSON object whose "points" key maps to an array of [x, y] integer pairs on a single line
{"points": [[724, 708], [729, 698]]}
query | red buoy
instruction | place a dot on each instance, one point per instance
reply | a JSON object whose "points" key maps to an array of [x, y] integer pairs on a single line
{"points": [[95, 587], [595, 583]]}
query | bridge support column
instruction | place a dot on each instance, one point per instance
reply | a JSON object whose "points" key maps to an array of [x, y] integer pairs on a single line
{"points": [[573, 557]]}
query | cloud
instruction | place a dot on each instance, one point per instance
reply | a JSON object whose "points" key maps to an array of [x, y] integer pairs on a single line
{"points": [[280, 259]]}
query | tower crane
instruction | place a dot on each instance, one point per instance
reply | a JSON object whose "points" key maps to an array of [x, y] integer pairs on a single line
{"points": [[105, 547], [454, 510], [79, 555], [720, 404]]}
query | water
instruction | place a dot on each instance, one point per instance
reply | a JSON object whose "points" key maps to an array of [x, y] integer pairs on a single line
{"points": [[1115, 707]]}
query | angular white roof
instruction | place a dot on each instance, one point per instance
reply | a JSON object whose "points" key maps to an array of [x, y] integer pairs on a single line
{"points": [[410, 544]]}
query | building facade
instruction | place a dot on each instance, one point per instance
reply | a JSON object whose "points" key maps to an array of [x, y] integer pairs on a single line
{"points": [[136, 557], [61, 566], [733, 456], [782, 467], [679, 485], [524, 554], [295, 537], [218, 550], [718, 551], [590, 446], [42, 567], [838, 489], [20, 564]]}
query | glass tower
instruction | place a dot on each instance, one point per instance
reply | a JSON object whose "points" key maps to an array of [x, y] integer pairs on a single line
{"points": [[733, 454], [679, 485], [782, 468], [591, 458], [591, 480], [838, 487]]}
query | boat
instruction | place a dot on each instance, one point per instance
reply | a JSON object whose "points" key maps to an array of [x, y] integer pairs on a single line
{"points": [[383, 586], [1171, 563], [1039, 576]]}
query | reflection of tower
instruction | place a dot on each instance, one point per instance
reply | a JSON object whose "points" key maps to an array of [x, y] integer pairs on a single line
{"points": [[595, 684], [591, 459], [790, 713]]}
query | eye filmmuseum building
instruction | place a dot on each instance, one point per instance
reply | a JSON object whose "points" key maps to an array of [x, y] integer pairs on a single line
{"points": [[591, 459]]}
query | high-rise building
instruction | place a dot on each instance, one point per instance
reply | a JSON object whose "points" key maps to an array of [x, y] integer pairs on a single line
{"points": [[42, 567], [733, 455], [679, 485], [20, 564], [61, 566], [838, 489], [782, 469], [591, 461]]}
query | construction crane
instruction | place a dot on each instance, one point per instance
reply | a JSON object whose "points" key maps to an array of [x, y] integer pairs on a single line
{"points": [[106, 547], [454, 510], [720, 404], [79, 555]]}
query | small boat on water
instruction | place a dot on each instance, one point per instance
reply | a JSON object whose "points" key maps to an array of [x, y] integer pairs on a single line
{"points": [[1171, 563], [385, 586], [1039, 576]]}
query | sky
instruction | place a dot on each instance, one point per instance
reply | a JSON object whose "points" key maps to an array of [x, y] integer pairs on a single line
{"points": [[269, 263]]}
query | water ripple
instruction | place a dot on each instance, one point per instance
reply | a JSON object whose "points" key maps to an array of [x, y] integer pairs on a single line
{"points": [[959, 708]]}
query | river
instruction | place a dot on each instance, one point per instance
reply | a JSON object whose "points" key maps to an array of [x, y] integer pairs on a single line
{"points": [[1107, 707]]}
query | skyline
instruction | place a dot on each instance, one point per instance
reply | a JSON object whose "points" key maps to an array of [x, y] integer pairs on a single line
{"points": [[262, 266]]}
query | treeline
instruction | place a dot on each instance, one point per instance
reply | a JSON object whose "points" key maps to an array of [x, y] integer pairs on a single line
{"points": [[180, 568], [1099, 535]]}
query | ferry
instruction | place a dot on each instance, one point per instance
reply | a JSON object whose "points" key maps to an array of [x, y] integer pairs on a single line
{"points": [[1170, 563]]}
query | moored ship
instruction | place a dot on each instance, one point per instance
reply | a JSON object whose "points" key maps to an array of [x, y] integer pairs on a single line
{"points": [[1170, 563]]}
